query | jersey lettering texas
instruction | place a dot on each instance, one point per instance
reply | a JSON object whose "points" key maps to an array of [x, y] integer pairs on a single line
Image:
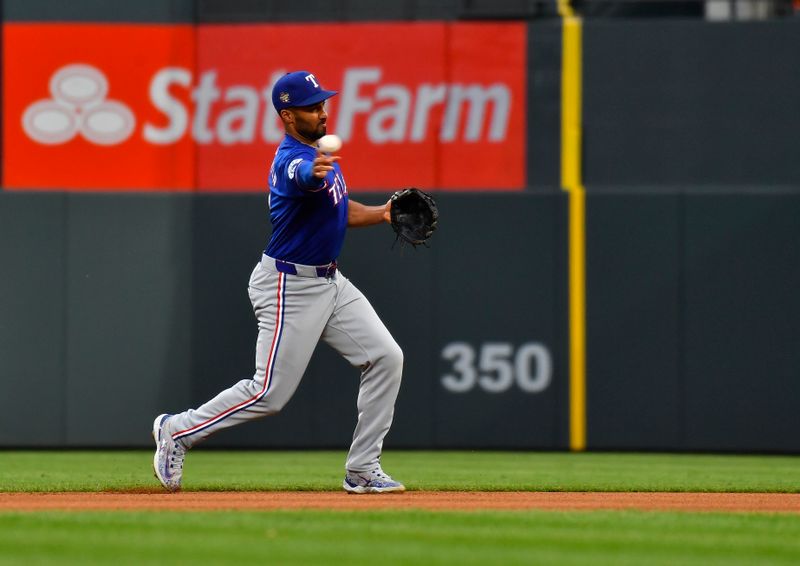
{"points": [[338, 190]]}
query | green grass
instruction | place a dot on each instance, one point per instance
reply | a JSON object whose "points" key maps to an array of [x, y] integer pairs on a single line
{"points": [[387, 538], [392, 537], [484, 471]]}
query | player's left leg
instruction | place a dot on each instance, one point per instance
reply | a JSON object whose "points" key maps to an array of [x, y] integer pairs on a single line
{"points": [[358, 334]]}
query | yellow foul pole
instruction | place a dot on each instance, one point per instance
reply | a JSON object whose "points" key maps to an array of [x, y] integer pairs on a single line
{"points": [[572, 183]]}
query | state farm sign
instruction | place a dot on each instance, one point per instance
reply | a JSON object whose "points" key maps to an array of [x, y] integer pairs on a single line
{"points": [[395, 113], [142, 108]]}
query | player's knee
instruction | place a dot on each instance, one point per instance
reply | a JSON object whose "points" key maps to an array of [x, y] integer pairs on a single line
{"points": [[392, 355], [271, 405], [273, 409]]}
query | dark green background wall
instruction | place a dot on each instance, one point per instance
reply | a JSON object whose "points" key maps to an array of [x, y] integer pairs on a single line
{"points": [[691, 103], [117, 307], [693, 319]]}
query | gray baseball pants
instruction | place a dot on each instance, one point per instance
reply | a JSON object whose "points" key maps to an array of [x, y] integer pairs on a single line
{"points": [[294, 312]]}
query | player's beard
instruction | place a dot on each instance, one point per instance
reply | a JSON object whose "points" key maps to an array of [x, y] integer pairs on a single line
{"points": [[312, 134]]}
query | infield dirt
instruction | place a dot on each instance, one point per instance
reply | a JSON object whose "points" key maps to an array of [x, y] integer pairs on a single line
{"points": [[146, 500]]}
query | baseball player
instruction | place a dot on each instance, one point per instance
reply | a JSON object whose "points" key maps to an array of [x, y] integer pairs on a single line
{"points": [[299, 296]]}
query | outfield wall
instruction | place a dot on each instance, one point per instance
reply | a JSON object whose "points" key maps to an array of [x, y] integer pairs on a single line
{"points": [[117, 307], [123, 307], [119, 304], [693, 319], [688, 103]]}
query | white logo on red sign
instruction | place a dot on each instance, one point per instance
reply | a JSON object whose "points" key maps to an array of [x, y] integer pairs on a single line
{"points": [[78, 105], [228, 115]]}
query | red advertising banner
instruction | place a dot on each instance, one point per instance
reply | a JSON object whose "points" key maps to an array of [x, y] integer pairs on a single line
{"points": [[180, 107]]}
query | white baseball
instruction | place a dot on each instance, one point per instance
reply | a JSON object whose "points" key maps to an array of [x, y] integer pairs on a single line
{"points": [[330, 143]]}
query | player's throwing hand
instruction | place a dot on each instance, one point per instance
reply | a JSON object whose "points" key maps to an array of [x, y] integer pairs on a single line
{"points": [[323, 164]]}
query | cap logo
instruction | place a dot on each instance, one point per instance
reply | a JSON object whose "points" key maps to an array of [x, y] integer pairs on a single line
{"points": [[312, 79], [284, 96]]}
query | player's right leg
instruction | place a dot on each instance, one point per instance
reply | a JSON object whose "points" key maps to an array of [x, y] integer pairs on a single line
{"points": [[291, 313]]}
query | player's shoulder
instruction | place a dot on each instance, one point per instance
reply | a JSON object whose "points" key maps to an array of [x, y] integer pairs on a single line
{"points": [[294, 153], [291, 146]]}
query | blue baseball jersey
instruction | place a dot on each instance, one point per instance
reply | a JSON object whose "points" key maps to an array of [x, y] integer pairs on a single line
{"points": [[308, 215]]}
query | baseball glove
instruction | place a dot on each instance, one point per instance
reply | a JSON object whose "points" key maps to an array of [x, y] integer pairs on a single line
{"points": [[414, 216]]}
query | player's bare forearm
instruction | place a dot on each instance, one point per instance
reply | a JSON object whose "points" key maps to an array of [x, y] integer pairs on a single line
{"points": [[364, 215]]}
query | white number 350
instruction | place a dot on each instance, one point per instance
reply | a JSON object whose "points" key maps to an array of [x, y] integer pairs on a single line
{"points": [[498, 367]]}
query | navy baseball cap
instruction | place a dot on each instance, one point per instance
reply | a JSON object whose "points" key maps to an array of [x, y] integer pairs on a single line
{"points": [[300, 88]]}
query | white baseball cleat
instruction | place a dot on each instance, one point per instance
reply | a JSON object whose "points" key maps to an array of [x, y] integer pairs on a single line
{"points": [[375, 481], [168, 459]]}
